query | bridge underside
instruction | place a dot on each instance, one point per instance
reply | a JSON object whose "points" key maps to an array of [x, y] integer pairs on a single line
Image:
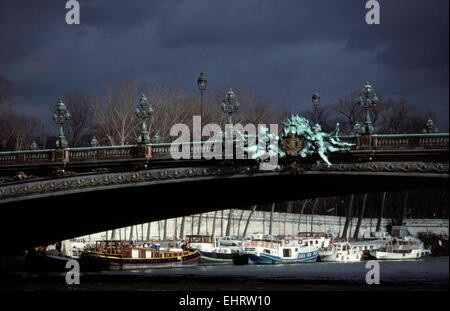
{"points": [[41, 219]]}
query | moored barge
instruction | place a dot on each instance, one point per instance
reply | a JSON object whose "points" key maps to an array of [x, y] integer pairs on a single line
{"points": [[125, 255], [212, 250]]}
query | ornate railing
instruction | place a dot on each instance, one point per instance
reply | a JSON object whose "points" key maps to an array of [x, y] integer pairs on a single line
{"points": [[96, 153], [34, 156], [163, 150], [413, 141]]}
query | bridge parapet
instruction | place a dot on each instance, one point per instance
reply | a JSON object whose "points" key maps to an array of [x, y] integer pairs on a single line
{"points": [[399, 141], [11, 157], [99, 153], [436, 141], [411, 141]]}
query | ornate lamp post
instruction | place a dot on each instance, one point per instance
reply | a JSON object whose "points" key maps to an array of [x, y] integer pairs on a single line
{"points": [[201, 83], [357, 128], [61, 116], [315, 100], [94, 142], [155, 139], [230, 104], [368, 100], [429, 127], [144, 112], [33, 146]]}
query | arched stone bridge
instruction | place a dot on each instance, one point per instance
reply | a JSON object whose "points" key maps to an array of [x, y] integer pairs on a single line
{"points": [[49, 195]]}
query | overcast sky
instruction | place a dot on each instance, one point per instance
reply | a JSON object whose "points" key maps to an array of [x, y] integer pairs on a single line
{"points": [[283, 49]]}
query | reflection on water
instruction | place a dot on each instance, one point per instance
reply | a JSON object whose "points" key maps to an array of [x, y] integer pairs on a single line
{"points": [[426, 273]]}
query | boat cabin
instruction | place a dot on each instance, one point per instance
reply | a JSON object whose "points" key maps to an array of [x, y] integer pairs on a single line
{"points": [[317, 239], [400, 231], [376, 235], [198, 238], [134, 250], [311, 234]]}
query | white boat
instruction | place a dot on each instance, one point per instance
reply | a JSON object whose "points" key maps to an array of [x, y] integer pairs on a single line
{"points": [[320, 240], [376, 235], [260, 250], [73, 247], [341, 252], [400, 249]]}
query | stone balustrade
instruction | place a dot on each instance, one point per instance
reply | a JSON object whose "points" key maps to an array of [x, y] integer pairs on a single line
{"points": [[411, 141], [437, 141]]}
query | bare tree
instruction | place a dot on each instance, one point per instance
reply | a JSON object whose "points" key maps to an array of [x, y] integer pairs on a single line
{"points": [[399, 117], [80, 107], [17, 131], [114, 121], [389, 115], [170, 106], [348, 111]]}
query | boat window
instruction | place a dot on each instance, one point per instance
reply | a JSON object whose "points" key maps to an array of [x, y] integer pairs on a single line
{"points": [[287, 252]]}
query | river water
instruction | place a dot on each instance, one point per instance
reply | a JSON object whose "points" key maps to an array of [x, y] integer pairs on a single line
{"points": [[429, 273]]}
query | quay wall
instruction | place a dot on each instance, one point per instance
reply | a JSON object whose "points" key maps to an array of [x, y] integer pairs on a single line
{"points": [[282, 223]]}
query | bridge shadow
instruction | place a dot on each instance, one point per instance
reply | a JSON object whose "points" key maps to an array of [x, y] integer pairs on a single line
{"points": [[42, 220]]}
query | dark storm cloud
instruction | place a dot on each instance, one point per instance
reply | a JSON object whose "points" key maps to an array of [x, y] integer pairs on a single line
{"points": [[283, 49]]}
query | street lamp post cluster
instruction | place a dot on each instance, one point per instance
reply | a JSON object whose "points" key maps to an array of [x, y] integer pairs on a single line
{"points": [[201, 83], [315, 101], [429, 127], [368, 100], [230, 104], [144, 111], [61, 116]]}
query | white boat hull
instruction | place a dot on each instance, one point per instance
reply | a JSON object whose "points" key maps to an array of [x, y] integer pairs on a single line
{"points": [[382, 255], [342, 257]]}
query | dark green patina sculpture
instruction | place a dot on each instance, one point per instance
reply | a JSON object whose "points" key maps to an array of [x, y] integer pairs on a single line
{"points": [[314, 140], [368, 100], [61, 116], [34, 146], [430, 127], [144, 112], [94, 142], [230, 104]]}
